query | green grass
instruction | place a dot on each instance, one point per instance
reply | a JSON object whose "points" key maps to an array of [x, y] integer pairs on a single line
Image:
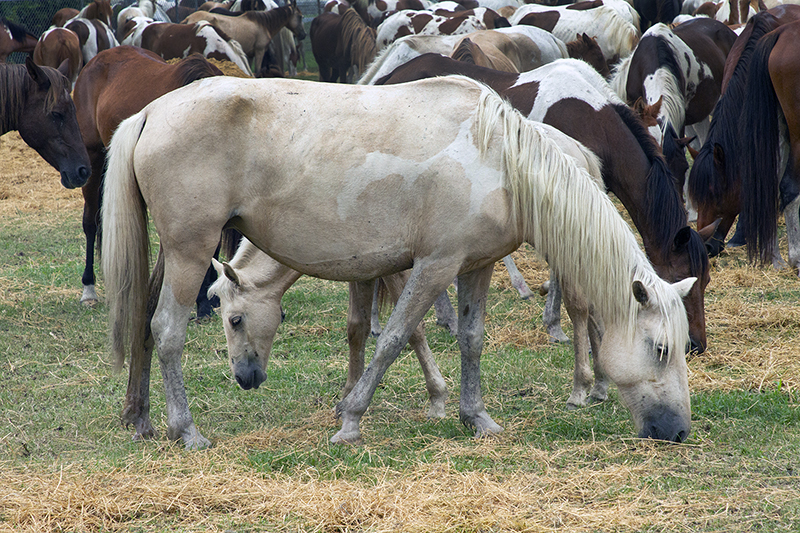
{"points": [[60, 404]]}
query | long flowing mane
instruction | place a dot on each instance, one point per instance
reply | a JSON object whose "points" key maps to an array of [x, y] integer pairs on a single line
{"points": [[271, 20], [193, 68], [554, 205], [359, 38], [14, 86], [707, 186]]}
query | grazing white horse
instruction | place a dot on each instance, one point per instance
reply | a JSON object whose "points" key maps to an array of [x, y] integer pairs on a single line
{"points": [[461, 181]]}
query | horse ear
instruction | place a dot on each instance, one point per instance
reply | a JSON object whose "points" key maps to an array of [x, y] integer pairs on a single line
{"points": [[640, 292], [684, 286], [719, 156], [63, 68], [638, 106], [682, 238], [692, 152], [708, 232], [655, 108], [37, 74], [231, 274], [684, 141]]}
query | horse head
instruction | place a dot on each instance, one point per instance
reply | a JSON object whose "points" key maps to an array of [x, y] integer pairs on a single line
{"points": [[48, 123], [653, 379], [251, 313], [295, 23], [587, 49]]}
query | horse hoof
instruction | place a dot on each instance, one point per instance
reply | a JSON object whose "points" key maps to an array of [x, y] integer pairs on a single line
{"points": [[352, 438], [572, 406], [89, 302]]}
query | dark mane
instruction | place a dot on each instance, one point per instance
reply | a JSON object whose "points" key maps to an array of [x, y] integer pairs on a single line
{"points": [[664, 206], [14, 85], [705, 187], [18, 33], [268, 19], [193, 68], [358, 38], [666, 58], [464, 52]]}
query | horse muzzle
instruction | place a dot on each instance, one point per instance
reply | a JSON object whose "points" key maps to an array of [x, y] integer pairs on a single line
{"points": [[664, 423], [75, 178], [249, 375]]}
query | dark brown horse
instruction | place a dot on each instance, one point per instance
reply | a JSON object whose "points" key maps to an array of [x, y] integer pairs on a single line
{"points": [[35, 101], [714, 183], [771, 120], [634, 168], [341, 44], [113, 86], [14, 38]]}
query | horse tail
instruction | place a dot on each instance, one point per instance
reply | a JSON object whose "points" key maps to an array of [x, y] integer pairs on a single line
{"points": [[759, 164], [126, 246]]}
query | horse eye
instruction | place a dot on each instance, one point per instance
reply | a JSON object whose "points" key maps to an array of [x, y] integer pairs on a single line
{"points": [[236, 320], [57, 116]]}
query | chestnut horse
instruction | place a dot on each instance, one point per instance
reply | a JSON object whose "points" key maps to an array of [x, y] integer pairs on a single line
{"points": [[14, 38], [54, 46], [460, 181], [113, 86], [35, 101], [771, 119], [714, 184]]}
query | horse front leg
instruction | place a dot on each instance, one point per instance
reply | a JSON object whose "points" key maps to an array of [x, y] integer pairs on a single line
{"points": [[434, 382], [578, 310], [473, 288], [182, 280], [551, 316], [424, 284], [517, 280], [91, 222], [358, 329], [601, 381]]}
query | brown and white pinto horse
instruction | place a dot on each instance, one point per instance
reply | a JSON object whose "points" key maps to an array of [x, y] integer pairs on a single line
{"points": [[343, 45], [116, 84], [771, 118], [616, 35], [572, 97], [56, 45], [35, 101], [714, 184], [254, 30], [96, 10], [177, 41], [94, 36], [14, 38], [410, 22]]}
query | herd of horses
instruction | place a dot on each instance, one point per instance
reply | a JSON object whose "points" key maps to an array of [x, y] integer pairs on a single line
{"points": [[462, 144]]}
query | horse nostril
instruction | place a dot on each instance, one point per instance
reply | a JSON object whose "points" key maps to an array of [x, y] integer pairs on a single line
{"points": [[84, 173]]}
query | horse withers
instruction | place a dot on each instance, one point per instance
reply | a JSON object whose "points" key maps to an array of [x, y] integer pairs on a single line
{"points": [[461, 182], [35, 101]]}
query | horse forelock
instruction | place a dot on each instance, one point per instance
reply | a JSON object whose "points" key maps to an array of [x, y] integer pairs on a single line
{"points": [[556, 205], [14, 88]]}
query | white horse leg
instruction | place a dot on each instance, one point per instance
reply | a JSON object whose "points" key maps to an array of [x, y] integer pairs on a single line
{"points": [[445, 314], [578, 310], [517, 280], [473, 288], [434, 382], [361, 294], [169, 332], [601, 382], [424, 284], [551, 316], [791, 216], [375, 318]]}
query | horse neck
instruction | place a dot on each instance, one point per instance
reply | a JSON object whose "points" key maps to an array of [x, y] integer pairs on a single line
{"points": [[263, 271], [274, 19], [13, 85]]}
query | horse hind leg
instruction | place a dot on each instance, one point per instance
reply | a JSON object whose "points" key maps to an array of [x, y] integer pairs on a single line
{"points": [[434, 382], [362, 294], [472, 290], [92, 197]]}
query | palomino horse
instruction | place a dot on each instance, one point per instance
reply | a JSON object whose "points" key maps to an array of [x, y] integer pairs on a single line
{"points": [[461, 182], [14, 38], [714, 184], [680, 68], [35, 101], [410, 22], [536, 47], [250, 288], [771, 117], [343, 45], [255, 29], [116, 84], [56, 45], [616, 35], [573, 98], [177, 41]]}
